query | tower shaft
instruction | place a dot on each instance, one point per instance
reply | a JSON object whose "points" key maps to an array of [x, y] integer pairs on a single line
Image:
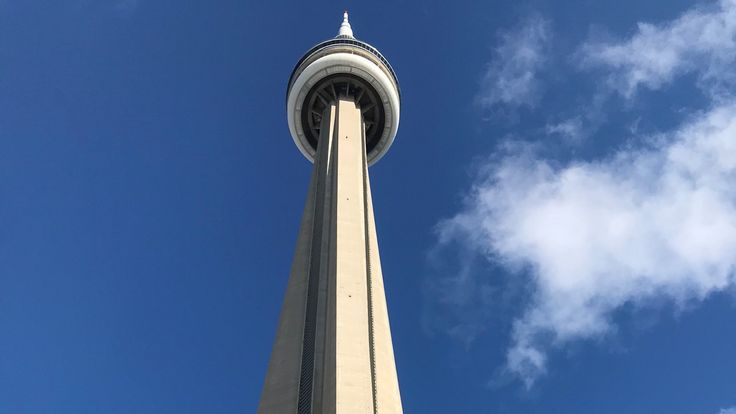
{"points": [[333, 351]]}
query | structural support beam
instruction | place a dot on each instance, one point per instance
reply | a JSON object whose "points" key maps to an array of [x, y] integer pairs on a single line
{"points": [[333, 351]]}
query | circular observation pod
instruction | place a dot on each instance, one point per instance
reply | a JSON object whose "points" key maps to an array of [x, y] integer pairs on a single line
{"points": [[343, 66]]}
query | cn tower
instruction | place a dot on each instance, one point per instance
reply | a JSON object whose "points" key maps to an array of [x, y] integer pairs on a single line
{"points": [[333, 350]]}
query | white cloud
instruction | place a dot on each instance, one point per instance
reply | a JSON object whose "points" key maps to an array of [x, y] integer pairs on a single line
{"points": [[702, 40], [652, 223], [644, 224], [731, 410], [571, 130], [512, 77]]}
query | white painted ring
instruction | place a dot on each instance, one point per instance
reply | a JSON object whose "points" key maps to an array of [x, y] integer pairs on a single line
{"points": [[341, 62]]}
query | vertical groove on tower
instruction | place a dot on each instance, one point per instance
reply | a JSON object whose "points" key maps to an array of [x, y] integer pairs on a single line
{"points": [[324, 276], [308, 337], [320, 238], [369, 284]]}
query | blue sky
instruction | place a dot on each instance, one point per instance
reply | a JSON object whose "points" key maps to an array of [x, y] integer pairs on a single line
{"points": [[557, 216]]}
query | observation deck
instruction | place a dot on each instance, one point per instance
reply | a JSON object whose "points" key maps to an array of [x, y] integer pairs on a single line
{"points": [[344, 66]]}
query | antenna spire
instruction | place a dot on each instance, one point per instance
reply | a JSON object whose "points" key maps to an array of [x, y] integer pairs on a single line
{"points": [[345, 29]]}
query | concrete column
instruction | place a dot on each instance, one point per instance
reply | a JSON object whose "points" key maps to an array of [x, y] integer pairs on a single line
{"points": [[333, 351], [354, 378]]}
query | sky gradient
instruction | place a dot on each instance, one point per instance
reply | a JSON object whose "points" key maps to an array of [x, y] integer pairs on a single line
{"points": [[557, 215]]}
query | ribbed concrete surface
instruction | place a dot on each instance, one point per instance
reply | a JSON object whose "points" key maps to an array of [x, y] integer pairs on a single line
{"points": [[333, 346]]}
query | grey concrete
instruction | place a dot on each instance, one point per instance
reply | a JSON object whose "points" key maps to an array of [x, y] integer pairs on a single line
{"points": [[333, 351]]}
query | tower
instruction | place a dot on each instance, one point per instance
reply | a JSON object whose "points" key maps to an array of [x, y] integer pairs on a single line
{"points": [[333, 350]]}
